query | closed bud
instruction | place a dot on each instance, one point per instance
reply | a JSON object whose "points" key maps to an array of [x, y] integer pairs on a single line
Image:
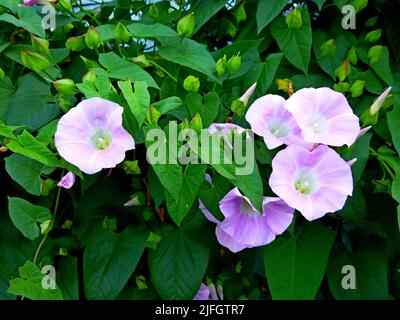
{"points": [[378, 102], [131, 167], [92, 38], [65, 86], [196, 123], [67, 28], [39, 44], [247, 95], [137, 199], [233, 64], [89, 63], [34, 61], [294, 19], [357, 88], [191, 84], [121, 33], [185, 26], [75, 43], [238, 107], [240, 14], [89, 76], [220, 66]]}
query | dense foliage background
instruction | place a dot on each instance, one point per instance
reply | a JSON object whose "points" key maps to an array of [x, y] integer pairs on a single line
{"points": [[164, 247]]}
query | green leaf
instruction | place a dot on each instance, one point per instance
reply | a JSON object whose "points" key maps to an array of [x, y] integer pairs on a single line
{"points": [[393, 121], [138, 101], [25, 216], [6, 92], [32, 104], [319, 3], [396, 188], [67, 277], [110, 259], [29, 284], [208, 110], [379, 62], [177, 265], [157, 30], [204, 10], [26, 172], [370, 263], [169, 104], [121, 69], [295, 43], [267, 10], [190, 54], [295, 267], [27, 19], [359, 150]]}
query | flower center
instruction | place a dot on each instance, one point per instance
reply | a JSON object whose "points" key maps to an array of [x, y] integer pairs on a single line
{"points": [[101, 140], [246, 208], [305, 183], [278, 128], [318, 123]]}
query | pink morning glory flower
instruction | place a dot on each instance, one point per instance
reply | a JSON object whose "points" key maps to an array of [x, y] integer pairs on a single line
{"points": [[29, 3], [208, 293], [313, 182], [91, 135], [324, 116], [67, 181], [247, 95], [244, 226], [269, 118]]}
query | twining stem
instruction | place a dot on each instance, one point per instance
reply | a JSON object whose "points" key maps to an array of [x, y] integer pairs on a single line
{"points": [[163, 70]]}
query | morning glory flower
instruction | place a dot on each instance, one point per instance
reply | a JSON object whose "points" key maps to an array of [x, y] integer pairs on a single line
{"points": [[91, 135], [269, 119], [324, 116], [208, 293], [379, 101], [67, 181], [313, 182], [244, 226]]}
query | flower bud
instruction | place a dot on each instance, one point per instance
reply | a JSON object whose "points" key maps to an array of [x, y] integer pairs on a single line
{"points": [[363, 131], [294, 19], [153, 11], [191, 84], [233, 64], [75, 43], [378, 102], [238, 107], [131, 167], [67, 28], [34, 61], [92, 38], [357, 88], [196, 123], [121, 33], [247, 95], [39, 44], [89, 76], [89, 63], [240, 14], [220, 66], [185, 25], [136, 200], [65, 86], [351, 162]]}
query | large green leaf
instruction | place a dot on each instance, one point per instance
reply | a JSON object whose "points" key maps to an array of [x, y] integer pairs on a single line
{"points": [[6, 92], [26, 172], [204, 10], [110, 259], [295, 43], [26, 216], [208, 110], [190, 54], [32, 104], [178, 265], [295, 266], [67, 278], [157, 30], [27, 19], [121, 69], [29, 284], [379, 62], [138, 101], [267, 10], [393, 121]]}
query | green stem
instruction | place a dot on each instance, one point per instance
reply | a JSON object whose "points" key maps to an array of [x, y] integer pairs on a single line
{"points": [[163, 70]]}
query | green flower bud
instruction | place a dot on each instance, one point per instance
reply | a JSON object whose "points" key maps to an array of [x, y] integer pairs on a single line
{"points": [[45, 227], [343, 70], [89, 63], [92, 38], [67, 28], [34, 61], [185, 25], [357, 88], [220, 66], [2, 74], [191, 84], [352, 56], [153, 11], [238, 107], [328, 49], [141, 60], [75, 43], [373, 36], [121, 33], [65, 86], [137, 199], [294, 19], [39, 44], [240, 14], [89, 76], [233, 64], [231, 30], [196, 123], [131, 167]]}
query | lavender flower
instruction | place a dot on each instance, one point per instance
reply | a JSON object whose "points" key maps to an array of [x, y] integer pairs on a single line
{"points": [[67, 181]]}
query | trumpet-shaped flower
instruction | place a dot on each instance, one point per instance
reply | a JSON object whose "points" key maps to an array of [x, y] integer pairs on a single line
{"points": [[269, 119], [313, 182], [324, 116], [91, 135]]}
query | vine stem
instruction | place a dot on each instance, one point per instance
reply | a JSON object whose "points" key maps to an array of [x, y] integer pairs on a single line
{"points": [[163, 70], [51, 224]]}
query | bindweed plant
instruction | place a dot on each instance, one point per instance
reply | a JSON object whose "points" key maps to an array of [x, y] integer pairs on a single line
{"points": [[199, 149]]}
